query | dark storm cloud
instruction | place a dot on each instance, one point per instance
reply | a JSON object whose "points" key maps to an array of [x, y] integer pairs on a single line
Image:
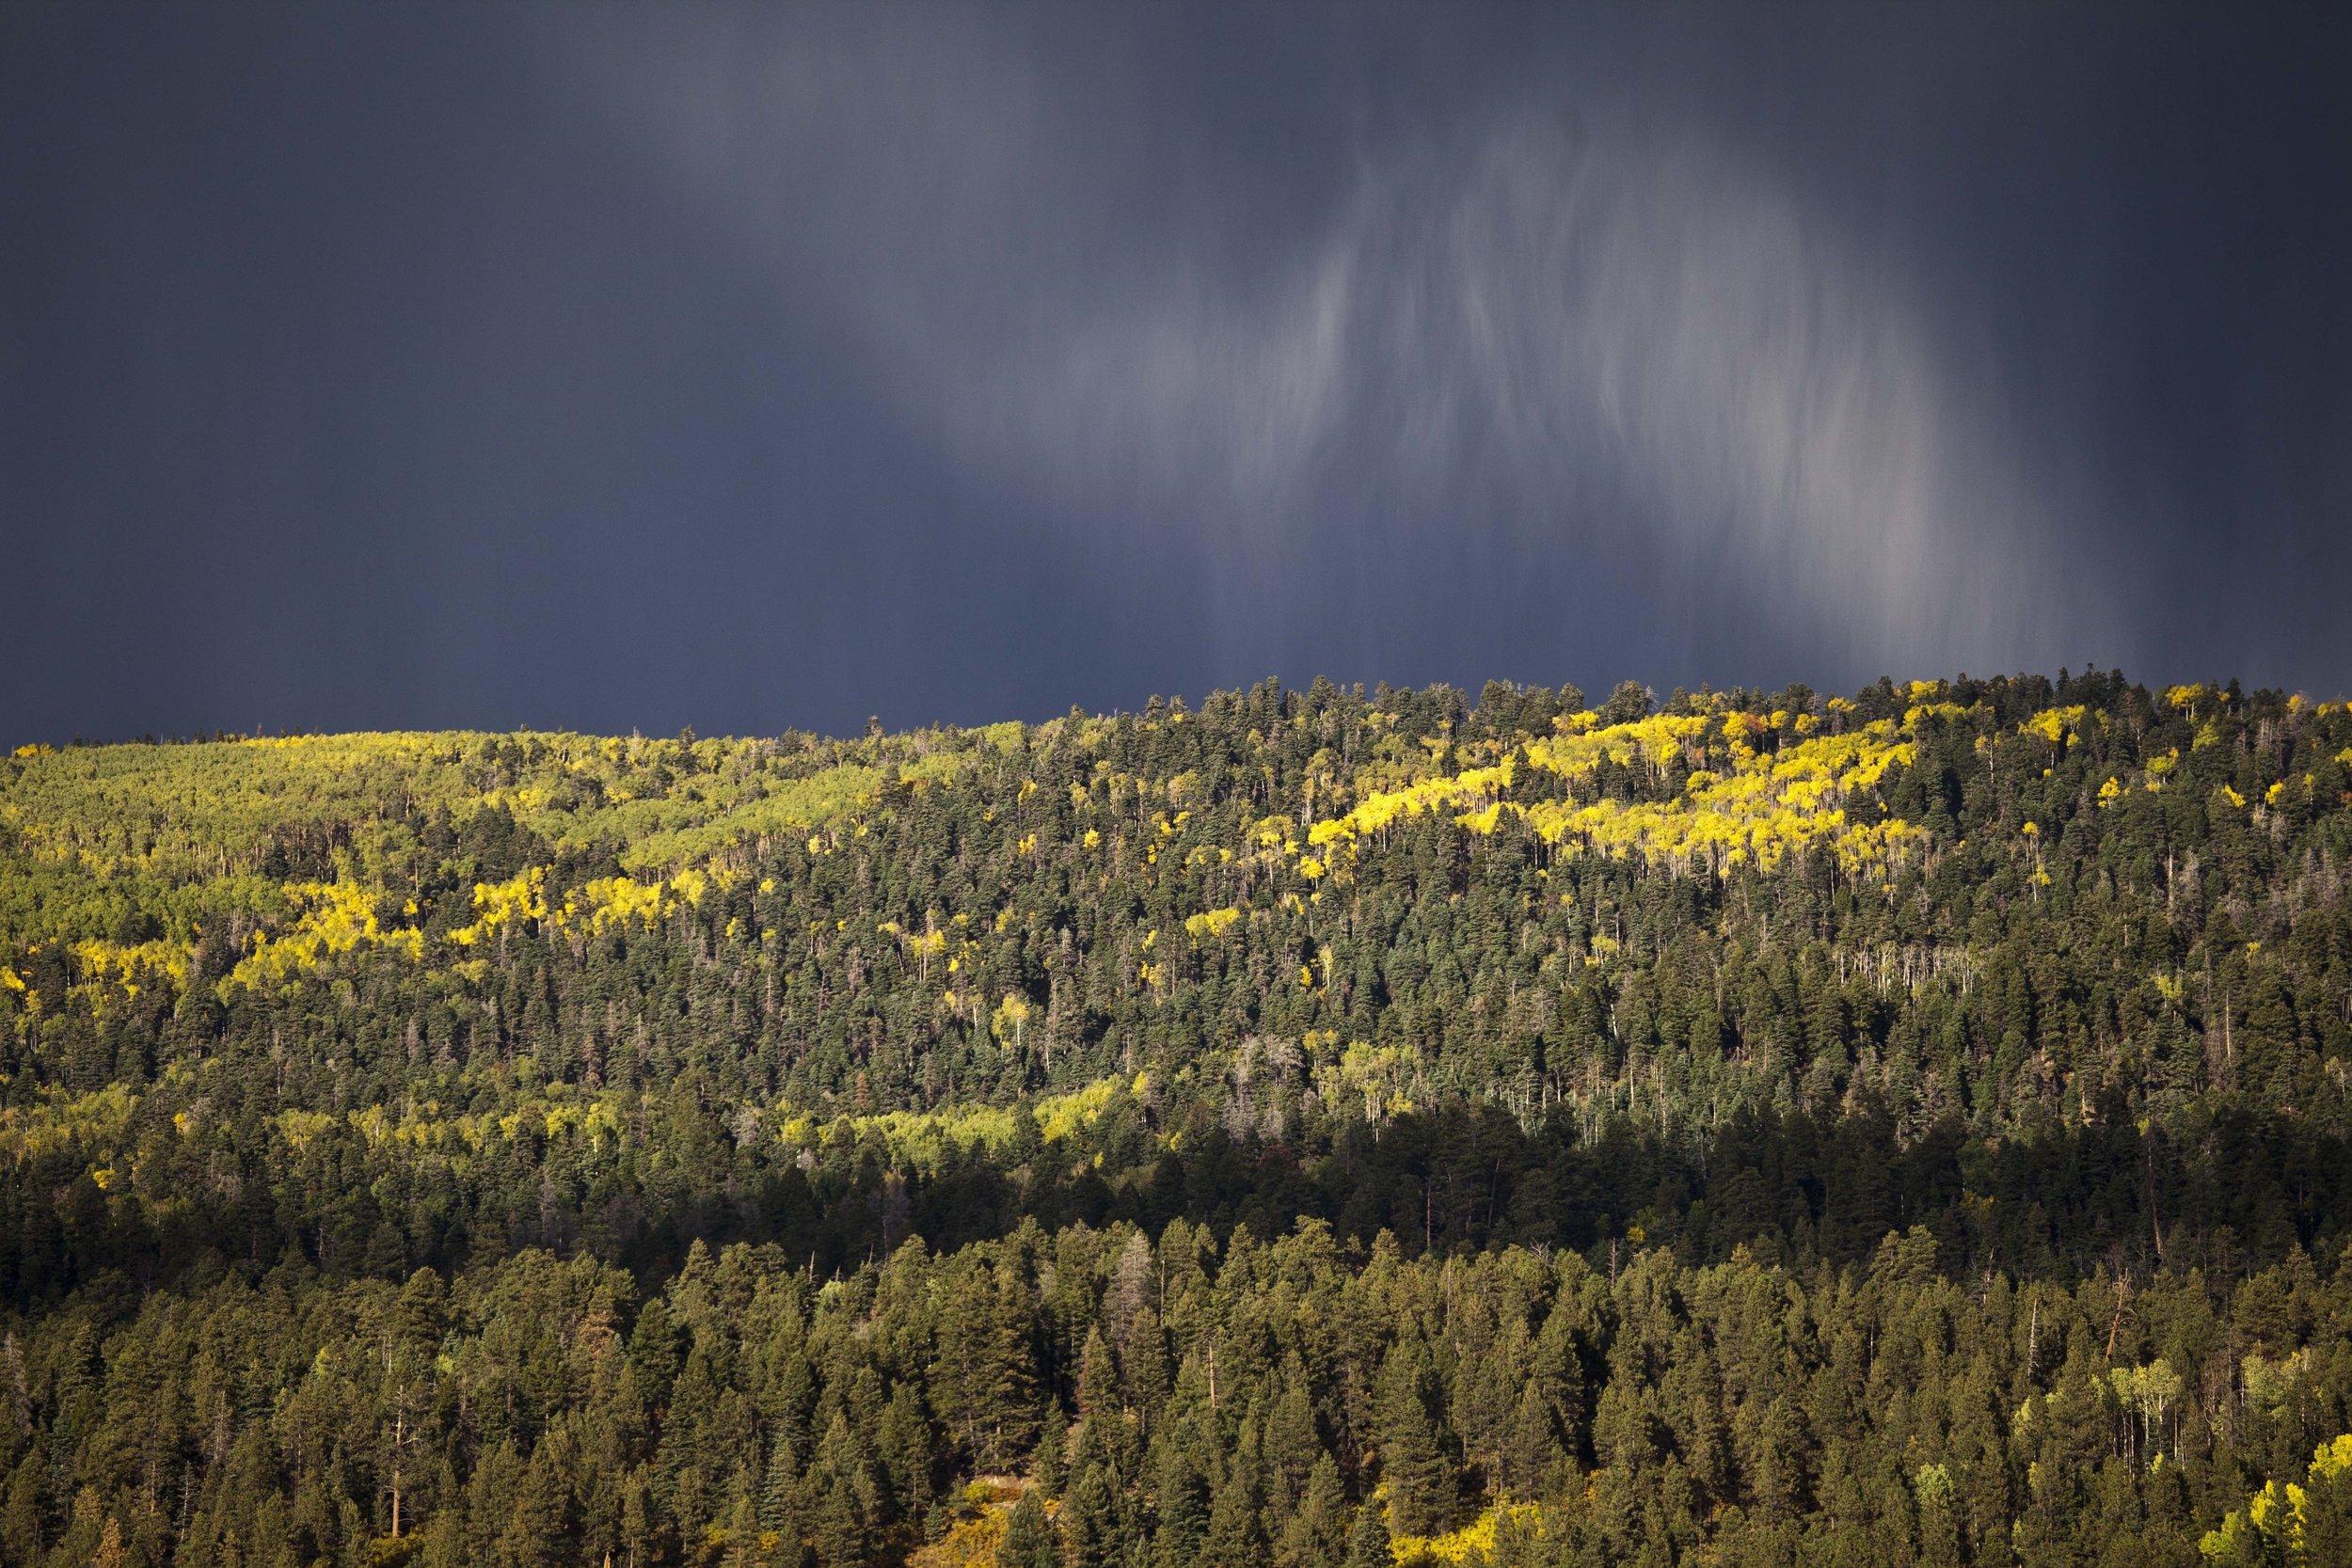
{"points": [[753, 366], [1513, 336]]}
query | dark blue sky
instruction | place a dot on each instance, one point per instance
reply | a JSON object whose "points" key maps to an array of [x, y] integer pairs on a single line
{"points": [[614, 367]]}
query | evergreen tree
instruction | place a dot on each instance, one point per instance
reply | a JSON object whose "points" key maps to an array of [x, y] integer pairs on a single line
{"points": [[1368, 1540], [1317, 1531], [1030, 1539], [1419, 1484]]}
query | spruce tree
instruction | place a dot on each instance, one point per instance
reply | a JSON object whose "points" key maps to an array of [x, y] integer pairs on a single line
{"points": [[1316, 1533], [1412, 1468], [1029, 1537], [1368, 1540]]}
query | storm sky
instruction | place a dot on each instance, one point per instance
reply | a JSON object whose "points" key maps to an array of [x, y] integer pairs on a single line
{"points": [[629, 367]]}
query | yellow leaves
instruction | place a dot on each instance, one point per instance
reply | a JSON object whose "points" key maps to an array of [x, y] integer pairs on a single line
{"points": [[2110, 792], [1652, 741], [1382, 1076], [341, 917], [1375, 812], [1093, 839], [1028, 844], [37, 749], [917, 1140], [1214, 922], [1752, 812], [610, 901], [1010, 1018], [57, 1120], [2231, 796], [9, 979], [2271, 1527], [1755, 813], [2057, 725], [1305, 977], [1930, 710], [520, 897], [1482, 822], [127, 964], [2183, 698], [1061, 1115], [1470, 1545], [301, 1128], [1741, 724]]}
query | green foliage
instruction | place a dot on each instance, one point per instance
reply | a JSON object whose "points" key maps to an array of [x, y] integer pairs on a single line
{"points": [[1320, 1127]]}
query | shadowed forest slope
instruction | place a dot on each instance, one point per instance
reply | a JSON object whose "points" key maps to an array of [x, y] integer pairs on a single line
{"points": [[1316, 1127]]}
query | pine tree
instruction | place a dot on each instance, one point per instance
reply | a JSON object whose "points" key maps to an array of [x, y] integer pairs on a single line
{"points": [[1368, 1540], [780, 1491], [1048, 1463], [1098, 1375], [539, 1534], [1293, 1446], [1317, 1531], [1030, 1537], [1419, 1484], [1184, 1514], [1089, 1524], [1236, 1535], [842, 1538], [1532, 1447]]}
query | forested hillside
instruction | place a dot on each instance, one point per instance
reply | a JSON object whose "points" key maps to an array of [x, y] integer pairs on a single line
{"points": [[1317, 1128]]}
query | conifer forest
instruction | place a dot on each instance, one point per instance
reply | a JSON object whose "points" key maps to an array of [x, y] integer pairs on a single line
{"points": [[1317, 1129]]}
